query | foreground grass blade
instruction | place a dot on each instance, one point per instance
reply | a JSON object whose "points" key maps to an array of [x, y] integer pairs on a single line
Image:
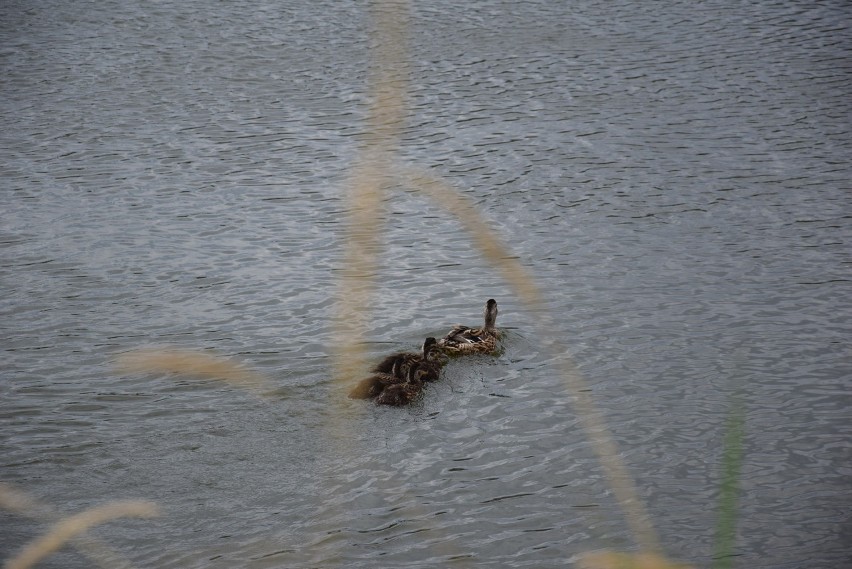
{"points": [[70, 527], [14, 500], [726, 528], [190, 363]]}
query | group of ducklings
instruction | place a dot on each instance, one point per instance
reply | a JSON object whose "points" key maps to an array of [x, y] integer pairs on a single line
{"points": [[400, 377]]}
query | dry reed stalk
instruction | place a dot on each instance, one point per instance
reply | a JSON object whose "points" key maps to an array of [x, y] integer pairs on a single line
{"points": [[190, 363], [389, 77], [70, 527], [371, 176], [388, 86], [356, 282], [14, 500], [486, 239]]}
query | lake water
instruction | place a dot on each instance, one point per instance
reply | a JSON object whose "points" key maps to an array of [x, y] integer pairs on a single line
{"points": [[674, 174]]}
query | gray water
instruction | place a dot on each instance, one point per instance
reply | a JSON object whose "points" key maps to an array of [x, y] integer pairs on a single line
{"points": [[674, 174]]}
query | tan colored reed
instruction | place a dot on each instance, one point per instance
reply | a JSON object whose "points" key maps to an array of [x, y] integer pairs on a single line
{"points": [[370, 177], [70, 528], [15, 500], [190, 363]]}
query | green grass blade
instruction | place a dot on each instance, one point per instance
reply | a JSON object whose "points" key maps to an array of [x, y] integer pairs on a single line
{"points": [[726, 528]]}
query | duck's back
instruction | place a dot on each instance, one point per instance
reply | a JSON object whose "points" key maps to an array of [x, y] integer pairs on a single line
{"points": [[397, 364], [399, 394], [464, 340], [373, 386]]}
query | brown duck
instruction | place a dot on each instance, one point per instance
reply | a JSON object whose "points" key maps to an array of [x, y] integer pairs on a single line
{"points": [[402, 368], [463, 340], [388, 389], [430, 360], [399, 394]]}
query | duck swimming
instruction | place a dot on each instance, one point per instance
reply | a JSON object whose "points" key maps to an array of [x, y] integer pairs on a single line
{"points": [[400, 394], [388, 389], [430, 361], [463, 340], [398, 378], [374, 385]]}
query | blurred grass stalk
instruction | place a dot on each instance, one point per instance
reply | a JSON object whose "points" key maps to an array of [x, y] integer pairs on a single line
{"points": [[726, 528], [191, 363], [375, 169], [386, 117], [69, 530]]}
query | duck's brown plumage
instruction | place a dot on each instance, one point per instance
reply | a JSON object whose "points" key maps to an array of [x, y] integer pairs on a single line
{"points": [[372, 386], [399, 364], [463, 340], [400, 394], [399, 377]]}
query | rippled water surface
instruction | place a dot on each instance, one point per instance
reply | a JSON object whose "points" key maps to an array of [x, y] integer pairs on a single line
{"points": [[675, 175]]}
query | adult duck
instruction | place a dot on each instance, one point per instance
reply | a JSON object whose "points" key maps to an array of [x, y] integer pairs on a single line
{"points": [[462, 340]]}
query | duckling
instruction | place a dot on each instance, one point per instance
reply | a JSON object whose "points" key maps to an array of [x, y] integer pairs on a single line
{"points": [[400, 394], [465, 340], [430, 361], [372, 386]]}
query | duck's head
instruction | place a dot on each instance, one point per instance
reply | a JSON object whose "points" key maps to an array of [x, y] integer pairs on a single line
{"points": [[433, 352], [491, 313], [430, 344], [395, 370], [416, 375], [419, 376]]}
